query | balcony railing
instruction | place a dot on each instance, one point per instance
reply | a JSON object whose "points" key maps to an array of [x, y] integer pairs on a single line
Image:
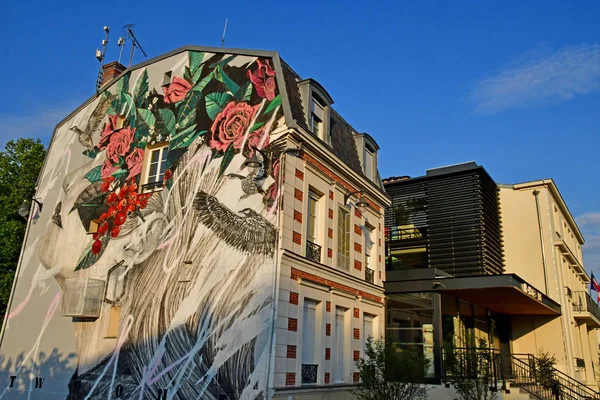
{"points": [[313, 251], [582, 302], [369, 275], [309, 373], [343, 262], [148, 187]]}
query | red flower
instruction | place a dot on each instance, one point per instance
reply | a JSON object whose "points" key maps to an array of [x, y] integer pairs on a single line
{"points": [[263, 80], [112, 198], [115, 231], [134, 162], [133, 187], [122, 205], [120, 219], [230, 125], [258, 140], [120, 142], [106, 183], [103, 217], [95, 235], [131, 208], [177, 90], [96, 247], [103, 228], [168, 174], [109, 129], [107, 169], [112, 212]]}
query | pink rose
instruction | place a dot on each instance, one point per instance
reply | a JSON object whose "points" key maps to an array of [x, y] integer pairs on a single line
{"points": [[107, 169], [177, 90], [272, 191], [119, 143], [230, 125], [109, 129], [258, 139], [263, 80], [134, 161]]}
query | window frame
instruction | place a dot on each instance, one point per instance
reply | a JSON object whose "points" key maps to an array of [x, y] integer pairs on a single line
{"points": [[163, 149]]}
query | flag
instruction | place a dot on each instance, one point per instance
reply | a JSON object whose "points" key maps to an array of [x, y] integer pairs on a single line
{"points": [[595, 286]]}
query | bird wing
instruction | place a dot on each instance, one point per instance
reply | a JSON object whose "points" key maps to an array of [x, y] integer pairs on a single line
{"points": [[99, 113], [249, 233]]}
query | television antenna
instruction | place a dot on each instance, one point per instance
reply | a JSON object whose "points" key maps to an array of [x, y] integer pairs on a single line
{"points": [[224, 30], [100, 57], [121, 44], [128, 31]]}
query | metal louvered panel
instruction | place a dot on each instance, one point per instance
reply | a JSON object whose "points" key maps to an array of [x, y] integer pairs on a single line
{"points": [[459, 214]]}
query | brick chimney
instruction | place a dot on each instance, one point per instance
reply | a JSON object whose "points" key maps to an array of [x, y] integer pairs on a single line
{"points": [[111, 71]]}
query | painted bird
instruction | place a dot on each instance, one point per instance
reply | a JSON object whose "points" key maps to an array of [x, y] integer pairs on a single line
{"points": [[85, 136]]}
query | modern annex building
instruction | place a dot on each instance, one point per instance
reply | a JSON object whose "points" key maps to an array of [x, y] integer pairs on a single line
{"points": [[211, 228], [468, 258]]}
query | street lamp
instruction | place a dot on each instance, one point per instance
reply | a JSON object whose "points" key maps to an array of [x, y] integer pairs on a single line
{"points": [[253, 164], [361, 205], [23, 211]]}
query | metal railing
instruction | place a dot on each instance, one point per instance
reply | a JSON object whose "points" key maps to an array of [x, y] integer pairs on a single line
{"points": [[152, 186], [369, 275], [343, 262], [524, 371], [582, 302], [313, 251], [397, 233], [309, 373]]}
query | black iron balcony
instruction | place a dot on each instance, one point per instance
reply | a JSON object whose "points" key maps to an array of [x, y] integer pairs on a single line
{"points": [[369, 275], [313, 251], [309, 373], [148, 187], [583, 304]]}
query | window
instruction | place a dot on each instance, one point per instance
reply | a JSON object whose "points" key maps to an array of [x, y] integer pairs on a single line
{"points": [[156, 161], [343, 253], [309, 328], [369, 265], [311, 223], [368, 161], [340, 344], [367, 329], [315, 124], [167, 78]]}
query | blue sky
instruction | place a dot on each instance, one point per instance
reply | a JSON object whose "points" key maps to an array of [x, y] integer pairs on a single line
{"points": [[512, 85]]}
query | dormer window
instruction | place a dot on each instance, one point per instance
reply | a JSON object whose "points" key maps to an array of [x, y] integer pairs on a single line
{"points": [[369, 160], [317, 115]]}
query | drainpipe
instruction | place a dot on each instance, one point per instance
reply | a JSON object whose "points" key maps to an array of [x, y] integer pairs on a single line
{"points": [[537, 207]]}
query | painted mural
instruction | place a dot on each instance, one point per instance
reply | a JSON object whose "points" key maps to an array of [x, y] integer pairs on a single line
{"points": [[163, 241]]}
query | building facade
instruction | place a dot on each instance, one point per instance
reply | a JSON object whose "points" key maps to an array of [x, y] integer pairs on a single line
{"points": [[211, 228], [470, 259]]}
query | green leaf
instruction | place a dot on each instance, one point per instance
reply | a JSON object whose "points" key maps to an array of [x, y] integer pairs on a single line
{"points": [[223, 62], [94, 175], [187, 75], [88, 258], [215, 102], [90, 153], [119, 173], [123, 84], [141, 89], [186, 110], [231, 85], [147, 116], [168, 119], [227, 157], [244, 92], [195, 60], [125, 104], [186, 141], [181, 134], [205, 81], [273, 104], [256, 126]]}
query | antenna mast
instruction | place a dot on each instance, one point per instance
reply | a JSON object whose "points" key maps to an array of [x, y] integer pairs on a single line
{"points": [[224, 30], [121, 44], [100, 57], [134, 42]]}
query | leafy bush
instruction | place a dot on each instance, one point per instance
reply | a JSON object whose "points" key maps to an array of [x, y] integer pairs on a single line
{"points": [[390, 373]]}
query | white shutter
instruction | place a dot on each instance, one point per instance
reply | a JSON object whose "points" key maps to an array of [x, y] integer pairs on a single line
{"points": [[340, 335], [367, 328]]}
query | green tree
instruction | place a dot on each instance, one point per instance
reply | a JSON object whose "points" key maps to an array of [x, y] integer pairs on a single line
{"points": [[390, 373], [20, 164], [470, 371]]}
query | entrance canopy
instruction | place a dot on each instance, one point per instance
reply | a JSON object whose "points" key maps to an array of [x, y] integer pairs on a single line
{"points": [[506, 294]]}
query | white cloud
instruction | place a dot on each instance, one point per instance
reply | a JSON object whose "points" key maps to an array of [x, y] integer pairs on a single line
{"points": [[550, 77], [588, 219], [39, 124]]}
